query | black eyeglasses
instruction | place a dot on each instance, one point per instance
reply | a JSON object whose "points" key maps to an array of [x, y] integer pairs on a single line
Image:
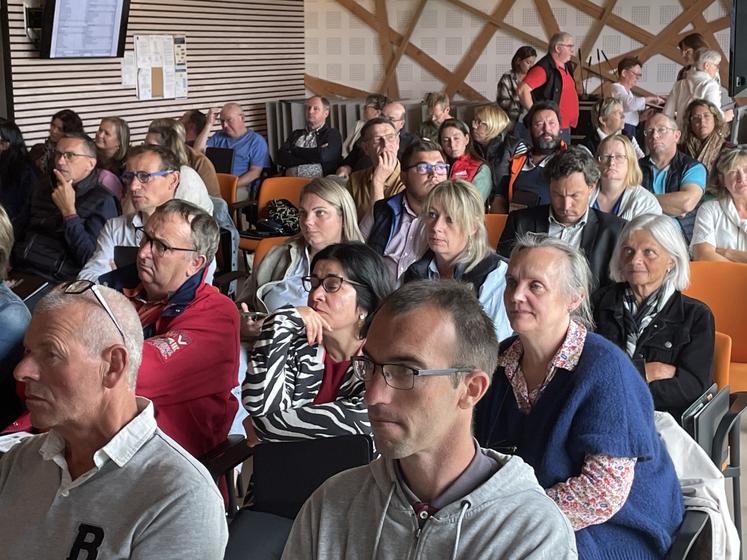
{"points": [[331, 283], [70, 155], [397, 376], [425, 168], [156, 245], [143, 176], [81, 286]]}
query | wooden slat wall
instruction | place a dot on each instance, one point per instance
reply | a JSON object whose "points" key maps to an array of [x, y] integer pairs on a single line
{"points": [[246, 51]]}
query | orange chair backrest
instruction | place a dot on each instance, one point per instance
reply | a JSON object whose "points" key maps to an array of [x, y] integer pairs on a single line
{"points": [[264, 246], [495, 224], [721, 360], [721, 285], [229, 184], [274, 188]]}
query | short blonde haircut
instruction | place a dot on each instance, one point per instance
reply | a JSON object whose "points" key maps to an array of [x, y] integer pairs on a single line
{"points": [[634, 176], [727, 161], [173, 137], [335, 194], [462, 202], [496, 120]]}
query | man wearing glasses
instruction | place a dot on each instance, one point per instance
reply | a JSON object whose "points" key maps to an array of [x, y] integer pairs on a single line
{"points": [[380, 142], [66, 213], [551, 79], [103, 481], [677, 180], [191, 351], [434, 493], [393, 226]]}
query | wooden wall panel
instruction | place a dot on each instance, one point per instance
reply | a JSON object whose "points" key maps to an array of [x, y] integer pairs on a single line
{"points": [[237, 50]]}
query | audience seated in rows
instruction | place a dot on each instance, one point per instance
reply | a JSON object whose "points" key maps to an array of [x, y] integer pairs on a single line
{"points": [[608, 116], [63, 122], [57, 235], [572, 175], [393, 227], [701, 82], [14, 319], [18, 174], [112, 142], [669, 336], [465, 163], [104, 481], [300, 383], [194, 122], [438, 109], [675, 178], [493, 143], [380, 141], [720, 233], [191, 352], [250, 153], [313, 151], [629, 71], [527, 185], [169, 134], [326, 216], [704, 136], [372, 106], [572, 405], [458, 248], [619, 189], [506, 97], [432, 484], [551, 79]]}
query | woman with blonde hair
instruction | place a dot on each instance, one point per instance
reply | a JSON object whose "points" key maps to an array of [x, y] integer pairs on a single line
{"points": [[327, 215], [454, 229], [495, 145], [619, 190]]}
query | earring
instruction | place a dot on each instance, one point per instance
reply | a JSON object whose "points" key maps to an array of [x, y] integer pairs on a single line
{"points": [[361, 317]]}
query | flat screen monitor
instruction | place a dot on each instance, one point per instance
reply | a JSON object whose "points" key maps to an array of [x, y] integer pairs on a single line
{"points": [[84, 28]]}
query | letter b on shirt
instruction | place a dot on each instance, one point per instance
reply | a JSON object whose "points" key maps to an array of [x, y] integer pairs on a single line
{"points": [[88, 541]]}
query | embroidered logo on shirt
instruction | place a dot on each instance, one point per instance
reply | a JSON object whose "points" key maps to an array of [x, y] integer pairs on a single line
{"points": [[169, 343]]}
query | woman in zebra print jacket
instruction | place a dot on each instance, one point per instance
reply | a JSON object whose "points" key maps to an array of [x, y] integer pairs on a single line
{"points": [[299, 384]]}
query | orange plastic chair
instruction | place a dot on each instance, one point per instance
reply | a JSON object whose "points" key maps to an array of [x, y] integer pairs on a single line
{"points": [[264, 246], [495, 224], [720, 285], [721, 360], [274, 188], [229, 184]]}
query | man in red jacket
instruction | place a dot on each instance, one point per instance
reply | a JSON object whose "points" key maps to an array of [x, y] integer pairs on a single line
{"points": [[191, 351]]}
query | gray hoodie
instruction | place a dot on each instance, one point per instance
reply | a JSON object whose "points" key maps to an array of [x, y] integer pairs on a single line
{"points": [[364, 514]]}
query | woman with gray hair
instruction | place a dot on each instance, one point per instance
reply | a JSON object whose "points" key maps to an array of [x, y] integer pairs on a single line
{"points": [[454, 229], [572, 405], [669, 336], [720, 231], [702, 82]]}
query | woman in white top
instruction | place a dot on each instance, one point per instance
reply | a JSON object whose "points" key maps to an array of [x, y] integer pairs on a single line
{"points": [[619, 190], [629, 72], [720, 232]]}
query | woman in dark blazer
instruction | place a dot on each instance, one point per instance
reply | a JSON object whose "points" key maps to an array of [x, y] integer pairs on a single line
{"points": [[669, 336]]}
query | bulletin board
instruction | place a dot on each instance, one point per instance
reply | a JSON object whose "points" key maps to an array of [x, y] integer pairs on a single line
{"points": [[158, 67]]}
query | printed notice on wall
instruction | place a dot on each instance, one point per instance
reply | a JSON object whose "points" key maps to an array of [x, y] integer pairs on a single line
{"points": [[161, 62], [129, 70]]}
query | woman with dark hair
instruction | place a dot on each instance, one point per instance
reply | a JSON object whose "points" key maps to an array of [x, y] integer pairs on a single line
{"points": [[688, 46], [17, 174], [629, 71], [466, 164], [704, 134], [523, 59], [300, 383], [63, 122]]}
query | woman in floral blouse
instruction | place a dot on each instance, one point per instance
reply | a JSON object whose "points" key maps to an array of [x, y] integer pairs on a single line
{"points": [[572, 405]]}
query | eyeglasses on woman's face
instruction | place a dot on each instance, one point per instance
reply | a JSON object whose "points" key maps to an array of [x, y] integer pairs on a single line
{"points": [[330, 283]]}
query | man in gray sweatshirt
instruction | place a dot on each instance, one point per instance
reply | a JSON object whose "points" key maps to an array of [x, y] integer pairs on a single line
{"points": [[104, 481], [433, 493]]}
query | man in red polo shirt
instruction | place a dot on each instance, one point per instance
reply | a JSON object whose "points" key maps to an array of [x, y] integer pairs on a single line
{"points": [[551, 79]]}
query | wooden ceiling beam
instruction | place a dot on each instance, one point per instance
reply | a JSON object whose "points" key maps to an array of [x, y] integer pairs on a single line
{"points": [[404, 41], [547, 18], [327, 88], [385, 47], [595, 31]]}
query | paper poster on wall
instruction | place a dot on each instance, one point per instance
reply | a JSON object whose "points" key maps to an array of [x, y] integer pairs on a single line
{"points": [[129, 70], [156, 60]]}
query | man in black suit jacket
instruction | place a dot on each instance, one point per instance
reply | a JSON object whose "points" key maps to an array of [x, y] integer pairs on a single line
{"points": [[573, 174]]}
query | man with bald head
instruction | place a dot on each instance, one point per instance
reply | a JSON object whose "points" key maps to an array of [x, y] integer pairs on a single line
{"points": [[250, 152], [313, 151], [103, 481]]}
